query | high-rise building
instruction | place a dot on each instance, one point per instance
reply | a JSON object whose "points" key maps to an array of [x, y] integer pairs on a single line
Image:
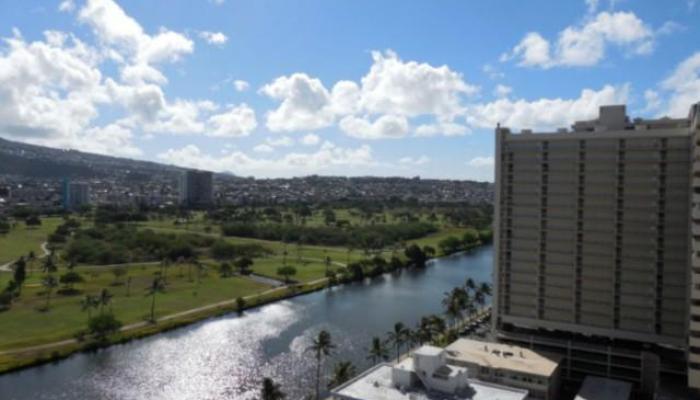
{"points": [[593, 246], [75, 195], [196, 189]]}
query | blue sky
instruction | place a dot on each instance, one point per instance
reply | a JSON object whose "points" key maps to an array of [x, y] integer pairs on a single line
{"points": [[288, 88]]}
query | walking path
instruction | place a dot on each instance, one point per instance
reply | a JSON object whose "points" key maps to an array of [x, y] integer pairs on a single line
{"points": [[141, 324], [44, 249]]}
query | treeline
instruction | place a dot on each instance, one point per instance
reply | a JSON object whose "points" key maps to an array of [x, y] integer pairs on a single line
{"points": [[118, 243], [366, 237], [470, 238]]}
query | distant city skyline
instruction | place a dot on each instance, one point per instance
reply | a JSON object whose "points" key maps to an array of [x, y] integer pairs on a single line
{"points": [[280, 89]]}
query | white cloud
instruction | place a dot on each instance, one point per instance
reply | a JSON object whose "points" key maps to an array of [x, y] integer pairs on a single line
{"points": [[240, 85], [481, 162], [585, 44], [543, 114], [422, 160], [237, 121], [66, 6], [385, 127], [502, 91], [592, 6], [390, 93], [217, 38], [116, 29], [305, 104], [328, 157], [263, 148], [683, 87], [310, 140], [445, 128], [393, 86], [653, 100], [284, 141], [492, 72]]}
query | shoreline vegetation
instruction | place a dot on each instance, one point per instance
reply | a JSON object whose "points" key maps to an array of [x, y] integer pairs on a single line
{"points": [[196, 259]]}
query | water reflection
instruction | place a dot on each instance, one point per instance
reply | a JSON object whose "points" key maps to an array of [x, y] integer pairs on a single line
{"points": [[225, 358]]}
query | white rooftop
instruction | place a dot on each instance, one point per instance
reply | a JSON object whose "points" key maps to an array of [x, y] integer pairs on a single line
{"points": [[376, 384], [597, 388], [503, 356], [429, 351]]}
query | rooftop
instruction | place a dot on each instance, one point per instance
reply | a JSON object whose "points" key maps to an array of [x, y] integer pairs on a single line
{"points": [[597, 388], [376, 384], [503, 356]]}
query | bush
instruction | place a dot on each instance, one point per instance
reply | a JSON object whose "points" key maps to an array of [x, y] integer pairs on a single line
{"points": [[103, 325]]}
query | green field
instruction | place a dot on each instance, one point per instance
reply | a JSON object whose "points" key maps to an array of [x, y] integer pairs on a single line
{"points": [[22, 239], [25, 325]]}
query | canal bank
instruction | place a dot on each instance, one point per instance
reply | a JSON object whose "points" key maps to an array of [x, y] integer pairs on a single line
{"points": [[225, 357]]}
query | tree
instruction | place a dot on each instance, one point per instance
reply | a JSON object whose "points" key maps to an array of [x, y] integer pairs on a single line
{"points": [[243, 265], [49, 266], [397, 337], [49, 283], [240, 304], [429, 251], [485, 288], [33, 221], [450, 245], [322, 346], [342, 372], [225, 270], [20, 273], [157, 286], [286, 272], [88, 303], [470, 284], [104, 299], [4, 227], [329, 217], [377, 350], [271, 391], [416, 256], [69, 279], [103, 325]]}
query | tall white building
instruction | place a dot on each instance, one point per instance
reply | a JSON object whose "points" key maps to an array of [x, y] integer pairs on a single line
{"points": [[594, 246]]}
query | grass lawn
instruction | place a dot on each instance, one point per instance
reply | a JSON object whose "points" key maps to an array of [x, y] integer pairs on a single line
{"points": [[23, 325], [306, 270], [21, 239]]}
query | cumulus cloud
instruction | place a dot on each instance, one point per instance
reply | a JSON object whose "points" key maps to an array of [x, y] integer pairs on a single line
{"points": [[502, 91], [585, 44], [263, 148], [310, 140], [385, 127], [237, 121], [241, 85], [328, 157], [392, 92], [543, 114], [682, 87], [217, 38], [444, 128], [305, 104], [66, 6]]}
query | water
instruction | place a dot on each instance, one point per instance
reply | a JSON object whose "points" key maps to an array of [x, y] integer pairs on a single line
{"points": [[226, 357]]}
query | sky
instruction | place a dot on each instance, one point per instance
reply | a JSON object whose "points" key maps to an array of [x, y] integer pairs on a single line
{"points": [[357, 87]]}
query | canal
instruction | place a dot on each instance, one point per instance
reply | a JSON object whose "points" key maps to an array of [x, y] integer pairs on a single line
{"points": [[226, 357]]}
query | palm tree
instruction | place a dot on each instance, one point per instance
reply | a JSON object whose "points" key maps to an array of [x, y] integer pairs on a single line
{"points": [[470, 285], [397, 337], [156, 287], [271, 391], [49, 283], [377, 350], [88, 303], [342, 372], [104, 299], [322, 346], [485, 288]]}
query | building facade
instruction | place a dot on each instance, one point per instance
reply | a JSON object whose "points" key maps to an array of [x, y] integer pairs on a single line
{"points": [[75, 195], [593, 245], [196, 189]]}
